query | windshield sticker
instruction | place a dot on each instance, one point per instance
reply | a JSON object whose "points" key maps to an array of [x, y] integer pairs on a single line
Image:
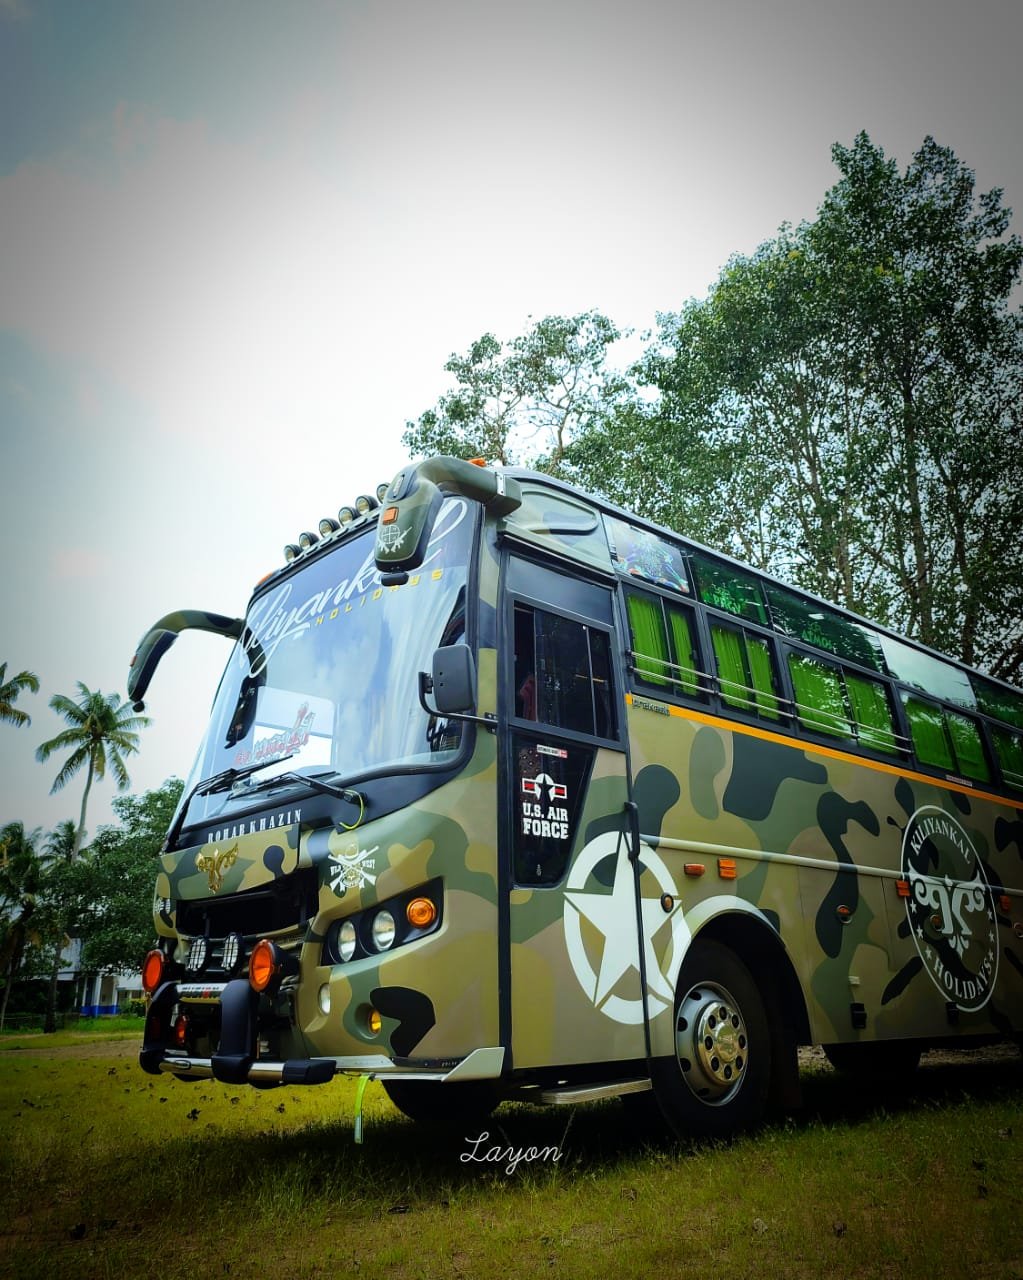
{"points": [[282, 743], [274, 619]]}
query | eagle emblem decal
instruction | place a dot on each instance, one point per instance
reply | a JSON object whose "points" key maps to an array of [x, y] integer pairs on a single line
{"points": [[215, 863]]}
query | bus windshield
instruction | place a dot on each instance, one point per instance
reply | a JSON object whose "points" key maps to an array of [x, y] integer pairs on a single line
{"points": [[325, 674]]}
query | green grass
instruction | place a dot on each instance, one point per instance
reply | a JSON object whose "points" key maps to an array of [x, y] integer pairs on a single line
{"points": [[105, 1171]]}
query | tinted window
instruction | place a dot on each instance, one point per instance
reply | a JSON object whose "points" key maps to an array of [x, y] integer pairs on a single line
{"points": [[822, 627], [726, 587], [562, 673]]}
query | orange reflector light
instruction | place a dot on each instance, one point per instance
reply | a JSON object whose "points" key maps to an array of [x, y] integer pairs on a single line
{"points": [[902, 888], [478, 462], [152, 971], [389, 516], [181, 1031], [727, 869], [263, 965], [694, 868], [844, 914], [374, 1022], [420, 913], [1005, 902]]}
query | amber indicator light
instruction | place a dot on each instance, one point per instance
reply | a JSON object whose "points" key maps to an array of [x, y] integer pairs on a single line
{"points": [[262, 965], [1005, 903], [694, 868], [420, 913], [727, 869], [152, 971], [902, 888], [389, 516]]}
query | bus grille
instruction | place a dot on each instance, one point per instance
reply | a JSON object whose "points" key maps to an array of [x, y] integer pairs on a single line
{"points": [[285, 904]]}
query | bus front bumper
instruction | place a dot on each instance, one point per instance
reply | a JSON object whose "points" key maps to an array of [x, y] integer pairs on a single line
{"points": [[237, 1061]]}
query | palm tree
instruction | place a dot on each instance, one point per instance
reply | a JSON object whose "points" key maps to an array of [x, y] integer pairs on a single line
{"points": [[102, 731], [9, 690]]}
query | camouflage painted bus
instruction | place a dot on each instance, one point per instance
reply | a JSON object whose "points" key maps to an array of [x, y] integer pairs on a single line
{"points": [[510, 794]]}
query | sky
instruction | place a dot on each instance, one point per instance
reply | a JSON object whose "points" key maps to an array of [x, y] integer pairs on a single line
{"points": [[239, 241]]}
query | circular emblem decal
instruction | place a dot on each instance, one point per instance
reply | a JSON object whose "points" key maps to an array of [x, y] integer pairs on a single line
{"points": [[950, 908], [600, 928]]}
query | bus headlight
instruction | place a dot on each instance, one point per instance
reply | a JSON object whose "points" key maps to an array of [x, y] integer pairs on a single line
{"points": [[346, 940], [383, 930]]}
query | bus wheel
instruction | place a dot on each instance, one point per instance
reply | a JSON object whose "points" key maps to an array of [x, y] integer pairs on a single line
{"points": [[716, 1082], [448, 1107], [890, 1060]]}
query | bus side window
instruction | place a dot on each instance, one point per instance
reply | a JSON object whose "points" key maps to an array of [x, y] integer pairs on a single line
{"points": [[562, 673], [820, 704], [663, 645], [945, 739], [1009, 750], [745, 671]]}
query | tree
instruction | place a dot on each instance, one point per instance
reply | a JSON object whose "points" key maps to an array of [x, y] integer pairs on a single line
{"points": [[114, 886], [844, 408], [523, 401], [21, 881], [9, 691], [102, 731]]}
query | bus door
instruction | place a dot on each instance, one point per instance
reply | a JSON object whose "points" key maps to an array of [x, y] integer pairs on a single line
{"points": [[570, 965]]}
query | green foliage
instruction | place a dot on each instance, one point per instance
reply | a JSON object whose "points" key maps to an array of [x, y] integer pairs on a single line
{"points": [[843, 408], [526, 398], [9, 691], [112, 885]]}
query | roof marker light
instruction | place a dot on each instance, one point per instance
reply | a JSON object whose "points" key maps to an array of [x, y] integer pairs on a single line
{"points": [[307, 539], [346, 515], [327, 526], [365, 503], [291, 551]]}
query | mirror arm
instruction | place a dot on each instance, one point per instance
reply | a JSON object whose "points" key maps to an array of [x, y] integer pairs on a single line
{"points": [[426, 686]]}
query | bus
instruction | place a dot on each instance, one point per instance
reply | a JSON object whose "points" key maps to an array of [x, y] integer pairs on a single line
{"points": [[509, 794]]}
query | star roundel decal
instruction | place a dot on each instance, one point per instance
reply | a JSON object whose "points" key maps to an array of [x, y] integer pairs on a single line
{"points": [[606, 960]]}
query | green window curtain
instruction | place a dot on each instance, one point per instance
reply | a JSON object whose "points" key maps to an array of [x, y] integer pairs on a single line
{"points": [[1009, 750], [872, 713], [762, 672], [684, 651], [969, 749], [930, 737], [819, 702], [649, 643], [728, 650]]}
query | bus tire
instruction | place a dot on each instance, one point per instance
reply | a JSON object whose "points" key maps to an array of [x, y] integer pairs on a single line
{"points": [[876, 1060], [447, 1107], [716, 1082]]}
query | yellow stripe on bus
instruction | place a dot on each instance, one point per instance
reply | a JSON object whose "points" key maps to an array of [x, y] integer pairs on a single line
{"points": [[718, 722]]}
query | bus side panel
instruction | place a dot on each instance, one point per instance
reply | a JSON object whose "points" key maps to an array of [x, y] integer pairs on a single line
{"points": [[817, 841]]}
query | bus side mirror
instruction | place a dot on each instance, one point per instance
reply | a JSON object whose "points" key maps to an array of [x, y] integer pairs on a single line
{"points": [[161, 635], [454, 679]]}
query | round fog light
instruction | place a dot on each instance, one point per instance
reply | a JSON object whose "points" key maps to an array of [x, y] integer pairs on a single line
{"points": [[383, 930], [324, 999], [346, 940]]}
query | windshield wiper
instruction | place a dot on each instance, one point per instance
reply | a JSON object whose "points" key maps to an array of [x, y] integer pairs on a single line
{"points": [[315, 781], [217, 782]]}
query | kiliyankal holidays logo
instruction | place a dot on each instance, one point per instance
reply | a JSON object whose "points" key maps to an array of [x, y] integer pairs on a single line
{"points": [[950, 908]]}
